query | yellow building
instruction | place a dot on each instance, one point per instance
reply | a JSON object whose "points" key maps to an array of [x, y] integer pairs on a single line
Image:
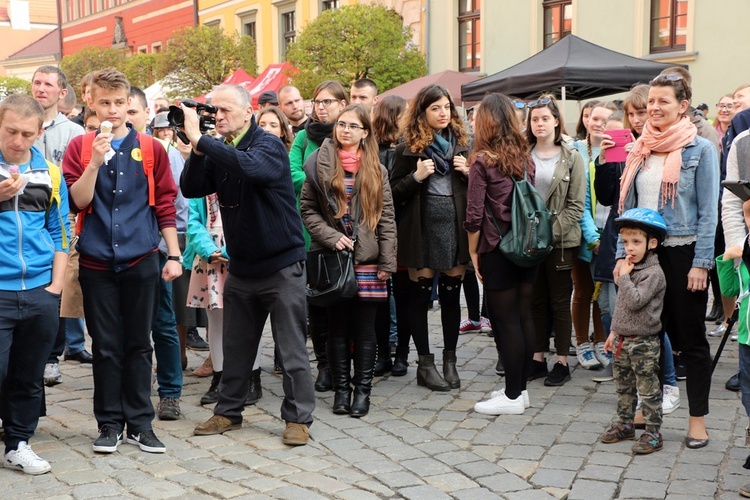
{"points": [[491, 35], [275, 23]]}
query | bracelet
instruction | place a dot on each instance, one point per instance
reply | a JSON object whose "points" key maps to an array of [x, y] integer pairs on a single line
{"points": [[177, 258]]}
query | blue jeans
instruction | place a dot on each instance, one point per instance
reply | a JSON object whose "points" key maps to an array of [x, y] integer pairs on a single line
{"points": [[670, 377], [606, 300], [167, 342]]}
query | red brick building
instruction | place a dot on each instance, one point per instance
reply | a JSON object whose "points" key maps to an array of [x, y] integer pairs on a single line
{"points": [[132, 25]]}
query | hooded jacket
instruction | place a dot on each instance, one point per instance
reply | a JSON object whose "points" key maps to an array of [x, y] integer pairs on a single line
{"points": [[640, 299], [56, 137], [319, 207]]}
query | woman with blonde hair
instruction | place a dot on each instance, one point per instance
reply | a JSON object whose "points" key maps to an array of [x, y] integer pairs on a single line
{"points": [[346, 205], [429, 180]]}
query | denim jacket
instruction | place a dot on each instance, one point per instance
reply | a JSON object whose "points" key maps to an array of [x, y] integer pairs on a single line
{"points": [[694, 211]]}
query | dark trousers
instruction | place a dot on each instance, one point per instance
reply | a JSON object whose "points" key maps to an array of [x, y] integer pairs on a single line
{"points": [[683, 319], [28, 327], [247, 304], [553, 287], [120, 310]]}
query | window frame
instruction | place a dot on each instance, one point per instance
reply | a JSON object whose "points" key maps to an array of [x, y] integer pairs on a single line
{"points": [[474, 49], [550, 5], [286, 36], [671, 46], [329, 5]]}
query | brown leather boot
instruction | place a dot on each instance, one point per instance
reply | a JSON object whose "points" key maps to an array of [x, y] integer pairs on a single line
{"points": [[449, 369], [428, 376]]}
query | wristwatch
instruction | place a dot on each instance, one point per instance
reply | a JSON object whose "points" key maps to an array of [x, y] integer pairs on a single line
{"points": [[177, 258]]}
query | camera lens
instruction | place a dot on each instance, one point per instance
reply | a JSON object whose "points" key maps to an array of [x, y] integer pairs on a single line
{"points": [[176, 116]]}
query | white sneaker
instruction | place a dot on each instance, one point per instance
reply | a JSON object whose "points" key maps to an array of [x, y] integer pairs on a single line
{"points": [[670, 399], [52, 374], [524, 393], [501, 405], [604, 358], [24, 459], [586, 357]]}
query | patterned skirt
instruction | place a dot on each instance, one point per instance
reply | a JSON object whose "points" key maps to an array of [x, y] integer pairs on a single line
{"points": [[369, 286]]}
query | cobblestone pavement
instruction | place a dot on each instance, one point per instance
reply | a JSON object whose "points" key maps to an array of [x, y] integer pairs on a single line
{"points": [[414, 444]]}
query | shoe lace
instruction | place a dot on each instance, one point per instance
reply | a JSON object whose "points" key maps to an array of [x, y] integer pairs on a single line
{"points": [[25, 453], [170, 403]]}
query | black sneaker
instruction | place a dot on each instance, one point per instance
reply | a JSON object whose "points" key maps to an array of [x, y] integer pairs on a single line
{"points": [[195, 341], [108, 441], [538, 370], [733, 384], [169, 409], [146, 441], [558, 376]]}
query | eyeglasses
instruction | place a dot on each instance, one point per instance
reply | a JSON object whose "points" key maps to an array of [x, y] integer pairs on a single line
{"points": [[349, 126], [323, 102], [672, 77], [728, 107], [539, 102], [518, 104]]}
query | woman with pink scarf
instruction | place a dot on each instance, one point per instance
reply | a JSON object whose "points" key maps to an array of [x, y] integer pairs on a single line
{"points": [[673, 171]]}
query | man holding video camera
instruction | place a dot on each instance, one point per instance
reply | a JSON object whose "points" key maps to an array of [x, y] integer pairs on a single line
{"points": [[249, 171]]}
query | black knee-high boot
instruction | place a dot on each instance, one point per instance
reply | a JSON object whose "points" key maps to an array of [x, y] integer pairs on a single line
{"points": [[338, 357], [364, 362], [317, 326], [419, 301], [449, 288]]}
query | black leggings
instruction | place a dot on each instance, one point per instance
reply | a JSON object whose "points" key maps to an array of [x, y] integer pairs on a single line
{"points": [[471, 293], [515, 335], [449, 290]]}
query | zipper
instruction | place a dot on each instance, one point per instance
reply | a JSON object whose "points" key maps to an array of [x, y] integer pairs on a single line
{"points": [[20, 244]]}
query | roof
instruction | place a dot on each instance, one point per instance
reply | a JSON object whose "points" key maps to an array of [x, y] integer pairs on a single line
{"points": [[452, 80], [47, 44]]}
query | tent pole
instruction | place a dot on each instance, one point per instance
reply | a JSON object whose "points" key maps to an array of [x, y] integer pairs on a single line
{"points": [[563, 97]]}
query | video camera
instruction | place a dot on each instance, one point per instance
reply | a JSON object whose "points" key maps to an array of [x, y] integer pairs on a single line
{"points": [[176, 117]]}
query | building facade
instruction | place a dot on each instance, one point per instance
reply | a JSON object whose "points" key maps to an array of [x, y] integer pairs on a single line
{"points": [[135, 26], [699, 33], [22, 23]]}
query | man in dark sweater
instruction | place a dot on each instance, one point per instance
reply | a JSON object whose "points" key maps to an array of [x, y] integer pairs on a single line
{"points": [[249, 171]]}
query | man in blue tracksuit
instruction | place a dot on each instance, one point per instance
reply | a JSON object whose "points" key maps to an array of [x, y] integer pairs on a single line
{"points": [[33, 256]]}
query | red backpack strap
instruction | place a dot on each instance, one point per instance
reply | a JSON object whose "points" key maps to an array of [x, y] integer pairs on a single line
{"points": [[147, 156], [87, 150]]}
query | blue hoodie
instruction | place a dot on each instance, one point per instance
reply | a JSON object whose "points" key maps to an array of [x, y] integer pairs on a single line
{"points": [[32, 227]]}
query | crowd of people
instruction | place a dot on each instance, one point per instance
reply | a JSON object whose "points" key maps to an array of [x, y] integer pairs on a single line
{"points": [[166, 224]]}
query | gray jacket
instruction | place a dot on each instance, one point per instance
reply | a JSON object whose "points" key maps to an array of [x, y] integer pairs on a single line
{"points": [[738, 168], [55, 139], [640, 299]]}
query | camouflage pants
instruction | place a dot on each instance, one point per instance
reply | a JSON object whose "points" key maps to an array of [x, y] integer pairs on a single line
{"points": [[636, 371]]}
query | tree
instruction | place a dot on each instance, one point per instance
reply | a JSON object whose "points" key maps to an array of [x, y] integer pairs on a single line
{"points": [[89, 59], [352, 42], [143, 70], [200, 57], [13, 85]]}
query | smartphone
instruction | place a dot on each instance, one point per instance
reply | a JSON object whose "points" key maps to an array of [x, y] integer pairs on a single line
{"points": [[617, 153], [741, 189]]}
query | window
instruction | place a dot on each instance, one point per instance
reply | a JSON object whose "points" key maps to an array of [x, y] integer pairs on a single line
{"points": [[288, 30], [469, 48], [215, 23], [668, 25], [558, 20], [143, 49], [247, 24], [156, 48], [329, 4]]}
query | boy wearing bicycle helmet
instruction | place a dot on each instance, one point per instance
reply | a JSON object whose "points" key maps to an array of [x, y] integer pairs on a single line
{"points": [[636, 324]]}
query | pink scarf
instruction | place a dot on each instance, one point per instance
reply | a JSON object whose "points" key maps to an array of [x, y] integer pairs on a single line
{"points": [[350, 161], [670, 141]]}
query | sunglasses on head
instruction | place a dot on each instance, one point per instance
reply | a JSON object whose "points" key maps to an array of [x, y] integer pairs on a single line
{"points": [[539, 102], [671, 77], [518, 104]]}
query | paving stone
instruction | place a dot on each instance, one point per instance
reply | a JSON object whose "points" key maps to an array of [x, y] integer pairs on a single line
{"points": [[604, 473], [399, 479], [318, 482], [426, 467], [693, 487], [157, 490], [605, 458], [584, 489], [476, 494], [524, 452], [634, 488], [97, 490], [424, 492], [450, 483], [560, 462], [553, 477], [503, 482]]}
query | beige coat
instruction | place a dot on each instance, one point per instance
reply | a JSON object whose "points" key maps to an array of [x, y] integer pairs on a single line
{"points": [[318, 207]]}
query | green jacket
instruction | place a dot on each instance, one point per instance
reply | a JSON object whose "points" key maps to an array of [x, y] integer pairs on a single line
{"points": [[734, 282], [302, 148]]}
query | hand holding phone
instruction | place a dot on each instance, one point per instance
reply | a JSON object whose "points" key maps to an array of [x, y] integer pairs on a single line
{"points": [[617, 153]]}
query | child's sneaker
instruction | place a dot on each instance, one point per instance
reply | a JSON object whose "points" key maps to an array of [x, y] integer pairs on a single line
{"points": [[649, 442], [603, 357], [670, 399], [617, 432], [586, 357], [468, 326], [486, 326]]}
